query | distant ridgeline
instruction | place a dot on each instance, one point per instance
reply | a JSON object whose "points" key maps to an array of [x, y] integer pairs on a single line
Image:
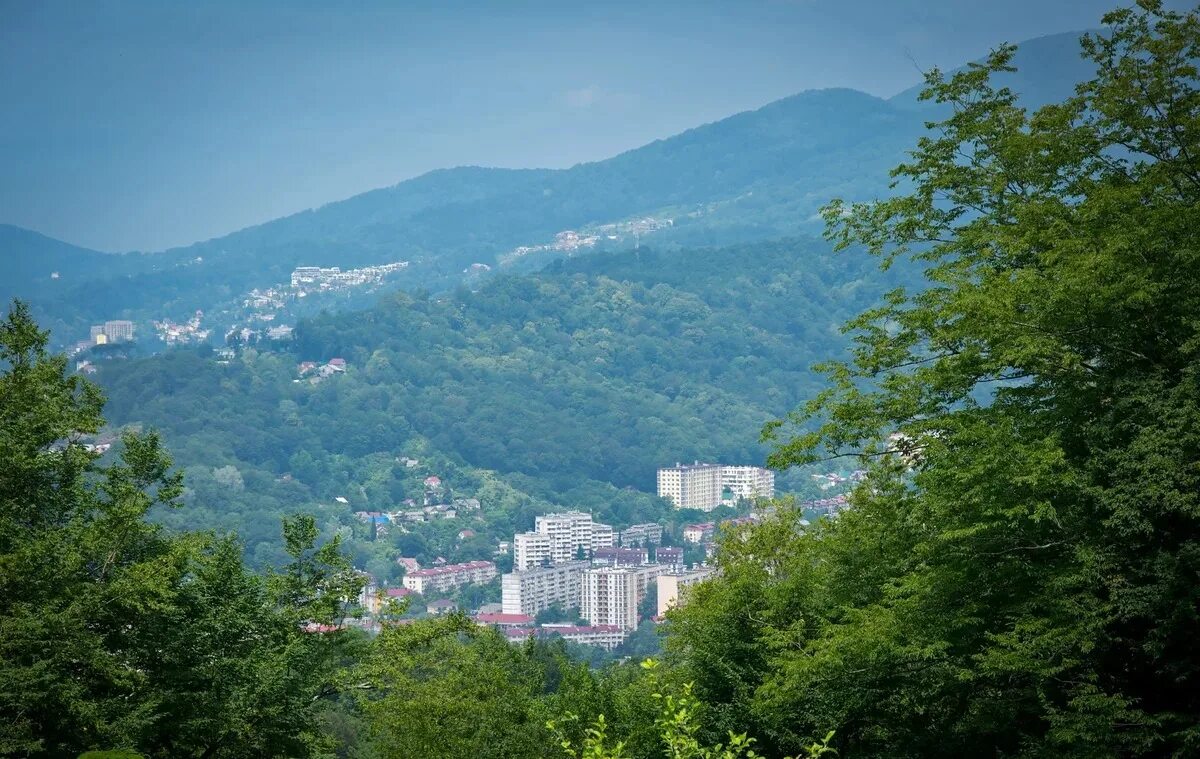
{"points": [[753, 176]]}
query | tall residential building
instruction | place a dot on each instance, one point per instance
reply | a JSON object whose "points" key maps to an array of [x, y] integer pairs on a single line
{"points": [[449, 576], [531, 549], [603, 536], [531, 590], [610, 597], [557, 538], [118, 331], [672, 588], [750, 482], [691, 486]]}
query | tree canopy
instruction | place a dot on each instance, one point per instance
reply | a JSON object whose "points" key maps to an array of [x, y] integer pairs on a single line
{"points": [[1020, 574]]}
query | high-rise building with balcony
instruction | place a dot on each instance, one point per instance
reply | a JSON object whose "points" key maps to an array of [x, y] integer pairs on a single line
{"points": [[610, 597]]}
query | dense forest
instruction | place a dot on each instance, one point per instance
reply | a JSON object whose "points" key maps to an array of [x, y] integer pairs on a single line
{"points": [[1018, 576]]}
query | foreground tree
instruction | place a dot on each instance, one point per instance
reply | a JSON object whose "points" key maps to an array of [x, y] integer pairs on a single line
{"points": [[1021, 574], [116, 634]]}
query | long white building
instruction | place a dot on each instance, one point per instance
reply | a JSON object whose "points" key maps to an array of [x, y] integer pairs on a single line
{"points": [[703, 486], [449, 576], [610, 597], [558, 538], [750, 482], [532, 590]]}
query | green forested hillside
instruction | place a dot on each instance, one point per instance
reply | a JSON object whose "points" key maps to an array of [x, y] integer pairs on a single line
{"points": [[1017, 576], [567, 386]]}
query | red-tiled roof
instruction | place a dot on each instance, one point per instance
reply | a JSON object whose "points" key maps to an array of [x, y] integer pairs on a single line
{"points": [[503, 619], [452, 568], [398, 592]]}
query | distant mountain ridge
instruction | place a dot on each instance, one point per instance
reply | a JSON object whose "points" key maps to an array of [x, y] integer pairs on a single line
{"points": [[756, 175]]}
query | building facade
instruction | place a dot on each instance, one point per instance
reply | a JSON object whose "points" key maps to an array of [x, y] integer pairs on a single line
{"points": [[672, 587], [532, 590], [691, 486], [118, 331], [445, 578], [610, 597], [558, 538], [620, 557], [531, 549], [642, 535], [749, 482]]}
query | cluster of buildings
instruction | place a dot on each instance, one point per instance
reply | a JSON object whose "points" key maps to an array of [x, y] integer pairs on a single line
{"points": [[315, 373], [571, 561], [706, 486], [174, 333], [317, 279], [115, 331], [570, 240], [830, 480], [559, 538], [566, 241], [827, 506], [437, 505]]}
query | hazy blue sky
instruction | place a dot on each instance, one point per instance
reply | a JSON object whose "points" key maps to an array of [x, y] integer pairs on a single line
{"points": [[148, 124]]}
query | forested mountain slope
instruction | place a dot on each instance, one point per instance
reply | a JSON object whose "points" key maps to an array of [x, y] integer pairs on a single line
{"points": [[566, 384]]}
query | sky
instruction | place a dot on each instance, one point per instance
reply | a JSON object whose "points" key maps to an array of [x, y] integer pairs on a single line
{"points": [[147, 124]]}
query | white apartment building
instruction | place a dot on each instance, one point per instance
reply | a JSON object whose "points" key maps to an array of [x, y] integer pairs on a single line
{"points": [[603, 536], [750, 482], [450, 576], [118, 330], [610, 597], [691, 486], [672, 587], [531, 549], [642, 535], [558, 538], [604, 636], [531, 590], [702, 486]]}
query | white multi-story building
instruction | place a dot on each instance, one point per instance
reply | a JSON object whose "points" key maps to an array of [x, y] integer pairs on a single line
{"points": [[691, 486], [749, 482], [703, 486], [642, 535], [672, 587], [604, 636], [450, 576], [118, 330], [531, 549], [558, 538], [610, 597], [603, 536], [532, 590]]}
